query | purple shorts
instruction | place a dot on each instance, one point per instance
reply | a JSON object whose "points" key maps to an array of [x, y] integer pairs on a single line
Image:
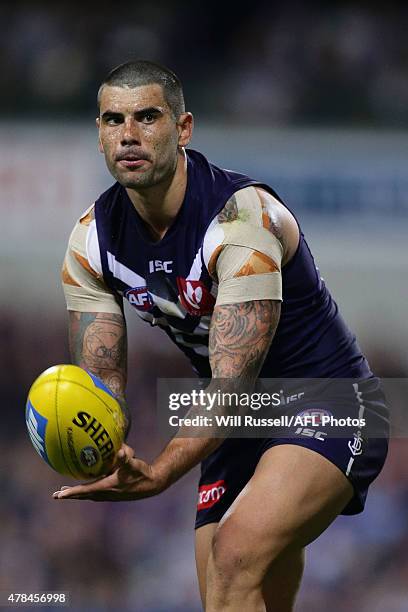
{"points": [[228, 469]]}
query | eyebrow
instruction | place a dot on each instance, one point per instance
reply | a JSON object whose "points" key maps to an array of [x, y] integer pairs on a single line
{"points": [[154, 110]]}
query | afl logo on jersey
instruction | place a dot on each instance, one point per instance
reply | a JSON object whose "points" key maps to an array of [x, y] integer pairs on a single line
{"points": [[140, 298], [195, 297]]}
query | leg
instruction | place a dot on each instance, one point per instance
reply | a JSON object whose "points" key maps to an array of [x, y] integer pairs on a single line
{"points": [[283, 577], [203, 542], [282, 581], [291, 499]]}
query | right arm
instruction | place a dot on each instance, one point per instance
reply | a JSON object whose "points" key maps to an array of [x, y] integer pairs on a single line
{"points": [[97, 327], [98, 343]]}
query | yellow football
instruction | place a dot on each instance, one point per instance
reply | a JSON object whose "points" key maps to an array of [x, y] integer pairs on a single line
{"points": [[74, 421]]}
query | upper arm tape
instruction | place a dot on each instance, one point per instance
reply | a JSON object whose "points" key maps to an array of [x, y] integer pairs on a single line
{"points": [[257, 238]]}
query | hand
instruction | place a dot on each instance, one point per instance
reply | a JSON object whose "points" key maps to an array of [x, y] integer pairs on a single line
{"points": [[131, 479]]}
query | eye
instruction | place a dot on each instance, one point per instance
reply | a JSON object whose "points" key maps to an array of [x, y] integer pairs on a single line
{"points": [[113, 121], [149, 118]]}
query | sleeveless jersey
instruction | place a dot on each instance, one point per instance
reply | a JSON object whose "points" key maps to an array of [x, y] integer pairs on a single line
{"points": [[169, 285]]}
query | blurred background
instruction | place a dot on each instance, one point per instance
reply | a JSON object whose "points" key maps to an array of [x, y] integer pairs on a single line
{"points": [[311, 98]]}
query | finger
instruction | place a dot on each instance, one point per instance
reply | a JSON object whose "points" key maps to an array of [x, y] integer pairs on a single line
{"points": [[72, 495], [102, 496], [62, 488], [65, 487], [102, 484]]}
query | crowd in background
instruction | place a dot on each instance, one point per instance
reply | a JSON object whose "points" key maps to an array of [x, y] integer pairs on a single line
{"points": [[285, 63], [138, 556]]}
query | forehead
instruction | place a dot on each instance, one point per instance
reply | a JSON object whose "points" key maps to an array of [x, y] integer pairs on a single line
{"points": [[130, 99]]}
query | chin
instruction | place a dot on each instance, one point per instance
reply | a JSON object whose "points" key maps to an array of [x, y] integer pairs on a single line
{"points": [[133, 179], [135, 183]]}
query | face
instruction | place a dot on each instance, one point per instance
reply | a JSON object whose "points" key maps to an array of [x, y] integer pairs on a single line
{"points": [[139, 135]]}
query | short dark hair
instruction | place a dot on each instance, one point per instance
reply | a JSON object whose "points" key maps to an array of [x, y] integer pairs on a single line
{"points": [[137, 73]]}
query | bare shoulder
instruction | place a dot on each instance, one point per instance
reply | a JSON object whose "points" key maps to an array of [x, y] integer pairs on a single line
{"points": [[280, 221]]}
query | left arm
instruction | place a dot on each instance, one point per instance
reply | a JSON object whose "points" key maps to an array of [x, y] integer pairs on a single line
{"points": [[240, 337]]}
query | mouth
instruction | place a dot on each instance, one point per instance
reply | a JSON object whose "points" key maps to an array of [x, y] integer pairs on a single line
{"points": [[132, 163], [131, 160]]}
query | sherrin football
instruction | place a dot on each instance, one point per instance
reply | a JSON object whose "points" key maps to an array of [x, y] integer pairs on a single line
{"points": [[74, 421]]}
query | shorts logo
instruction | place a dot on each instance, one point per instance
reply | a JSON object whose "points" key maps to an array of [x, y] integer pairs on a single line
{"points": [[310, 420], [210, 494], [140, 298], [313, 416], [356, 445], [311, 433], [195, 297]]}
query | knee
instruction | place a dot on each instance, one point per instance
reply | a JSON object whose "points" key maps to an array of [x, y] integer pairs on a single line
{"points": [[229, 560], [239, 558]]}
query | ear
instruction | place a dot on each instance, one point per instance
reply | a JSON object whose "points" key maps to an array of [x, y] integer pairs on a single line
{"points": [[98, 125], [185, 129]]}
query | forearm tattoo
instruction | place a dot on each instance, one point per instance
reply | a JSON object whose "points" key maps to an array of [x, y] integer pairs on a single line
{"points": [[240, 336], [98, 344]]}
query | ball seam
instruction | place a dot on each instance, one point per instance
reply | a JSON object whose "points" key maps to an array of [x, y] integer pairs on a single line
{"points": [[58, 427]]}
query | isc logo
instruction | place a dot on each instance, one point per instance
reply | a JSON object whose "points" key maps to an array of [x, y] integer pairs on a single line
{"points": [[155, 265], [311, 433]]}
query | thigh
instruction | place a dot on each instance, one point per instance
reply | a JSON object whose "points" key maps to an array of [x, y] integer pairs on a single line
{"points": [[293, 496], [203, 542]]}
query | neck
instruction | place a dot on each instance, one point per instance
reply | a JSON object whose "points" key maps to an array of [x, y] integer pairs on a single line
{"points": [[158, 205]]}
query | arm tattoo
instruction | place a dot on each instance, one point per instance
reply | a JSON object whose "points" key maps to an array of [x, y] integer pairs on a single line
{"points": [[98, 344], [240, 336], [270, 216], [229, 212]]}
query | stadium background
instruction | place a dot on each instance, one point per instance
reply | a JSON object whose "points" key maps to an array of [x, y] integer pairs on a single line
{"points": [[313, 100]]}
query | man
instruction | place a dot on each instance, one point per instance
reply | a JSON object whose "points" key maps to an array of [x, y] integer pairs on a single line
{"points": [[219, 263]]}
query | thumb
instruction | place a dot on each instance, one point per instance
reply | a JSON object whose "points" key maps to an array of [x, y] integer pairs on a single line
{"points": [[128, 464], [123, 466], [128, 450], [122, 457], [121, 453]]}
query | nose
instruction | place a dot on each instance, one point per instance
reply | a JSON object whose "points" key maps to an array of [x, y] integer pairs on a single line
{"points": [[130, 133]]}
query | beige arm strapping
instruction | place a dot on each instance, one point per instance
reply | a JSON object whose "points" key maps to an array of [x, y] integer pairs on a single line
{"points": [[84, 289], [246, 261], [233, 289]]}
